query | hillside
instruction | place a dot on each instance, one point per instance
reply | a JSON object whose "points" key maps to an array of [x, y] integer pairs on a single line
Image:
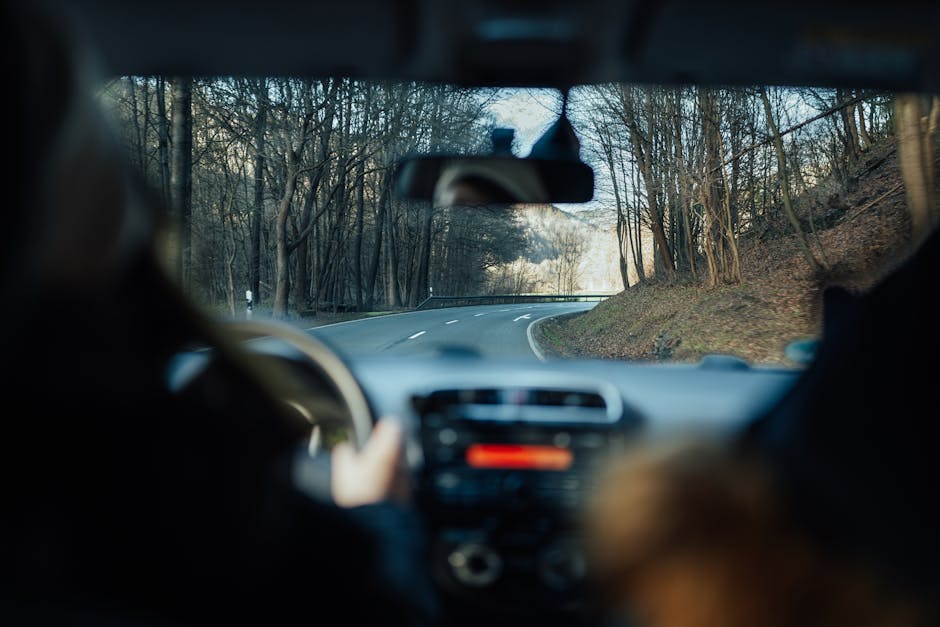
{"points": [[562, 253], [779, 300]]}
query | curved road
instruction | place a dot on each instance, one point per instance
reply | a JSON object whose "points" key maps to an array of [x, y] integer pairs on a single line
{"points": [[491, 330]]}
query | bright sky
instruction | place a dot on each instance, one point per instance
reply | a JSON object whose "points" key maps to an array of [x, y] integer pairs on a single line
{"points": [[528, 111]]}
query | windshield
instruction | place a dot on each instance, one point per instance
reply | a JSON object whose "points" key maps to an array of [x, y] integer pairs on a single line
{"points": [[718, 219]]}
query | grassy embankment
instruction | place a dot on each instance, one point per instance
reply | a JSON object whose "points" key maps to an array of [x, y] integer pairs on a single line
{"points": [[864, 233]]}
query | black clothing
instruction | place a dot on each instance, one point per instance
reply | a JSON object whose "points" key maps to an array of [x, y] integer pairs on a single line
{"points": [[125, 501], [854, 442]]}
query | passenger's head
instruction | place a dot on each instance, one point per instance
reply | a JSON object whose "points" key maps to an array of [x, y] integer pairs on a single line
{"points": [[822, 512], [695, 535]]}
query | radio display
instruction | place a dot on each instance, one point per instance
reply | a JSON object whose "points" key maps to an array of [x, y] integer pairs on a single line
{"points": [[519, 456]]}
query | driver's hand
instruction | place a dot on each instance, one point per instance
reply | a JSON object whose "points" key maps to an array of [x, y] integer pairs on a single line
{"points": [[374, 474]]}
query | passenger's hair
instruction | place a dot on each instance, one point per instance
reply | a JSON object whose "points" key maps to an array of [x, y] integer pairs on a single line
{"points": [[694, 535]]}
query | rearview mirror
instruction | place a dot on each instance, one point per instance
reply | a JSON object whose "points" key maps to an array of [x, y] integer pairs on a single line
{"points": [[484, 180], [552, 173]]}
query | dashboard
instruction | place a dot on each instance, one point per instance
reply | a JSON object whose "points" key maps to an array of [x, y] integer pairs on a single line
{"points": [[718, 393], [504, 453]]}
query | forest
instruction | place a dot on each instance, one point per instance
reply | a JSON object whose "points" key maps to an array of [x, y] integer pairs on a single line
{"points": [[285, 186]]}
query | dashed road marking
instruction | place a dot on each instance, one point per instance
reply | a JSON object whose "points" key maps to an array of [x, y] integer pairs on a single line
{"points": [[451, 322], [418, 334]]}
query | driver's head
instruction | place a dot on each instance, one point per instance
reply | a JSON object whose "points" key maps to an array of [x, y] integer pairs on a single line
{"points": [[78, 215], [471, 191], [483, 182]]}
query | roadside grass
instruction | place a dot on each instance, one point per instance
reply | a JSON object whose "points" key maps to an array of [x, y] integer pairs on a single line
{"points": [[680, 323]]}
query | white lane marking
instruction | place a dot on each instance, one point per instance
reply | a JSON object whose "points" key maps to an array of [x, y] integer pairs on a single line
{"points": [[401, 313], [532, 343], [502, 310], [479, 314], [523, 317], [418, 334], [451, 322]]}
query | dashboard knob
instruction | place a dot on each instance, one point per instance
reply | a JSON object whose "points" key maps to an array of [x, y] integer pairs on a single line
{"points": [[475, 565], [562, 567]]}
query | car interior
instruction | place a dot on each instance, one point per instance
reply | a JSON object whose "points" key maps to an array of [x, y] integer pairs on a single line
{"points": [[149, 448]]}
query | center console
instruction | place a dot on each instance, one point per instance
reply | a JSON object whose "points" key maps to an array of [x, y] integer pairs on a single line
{"points": [[505, 474]]}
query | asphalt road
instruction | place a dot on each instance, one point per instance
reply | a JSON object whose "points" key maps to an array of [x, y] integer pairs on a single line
{"points": [[490, 330]]}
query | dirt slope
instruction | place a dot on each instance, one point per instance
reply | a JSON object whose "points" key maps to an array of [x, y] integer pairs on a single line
{"points": [[866, 234]]}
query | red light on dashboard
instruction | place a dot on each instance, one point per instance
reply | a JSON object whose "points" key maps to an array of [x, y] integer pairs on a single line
{"points": [[519, 456]]}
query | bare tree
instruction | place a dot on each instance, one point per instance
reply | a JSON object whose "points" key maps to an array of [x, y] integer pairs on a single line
{"points": [[568, 245], [292, 170], [917, 123], [181, 174], [785, 185], [259, 127], [291, 183]]}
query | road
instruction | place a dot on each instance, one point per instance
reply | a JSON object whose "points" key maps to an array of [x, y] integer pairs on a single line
{"points": [[490, 330]]}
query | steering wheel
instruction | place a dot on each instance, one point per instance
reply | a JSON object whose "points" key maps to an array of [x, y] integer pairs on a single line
{"points": [[331, 400]]}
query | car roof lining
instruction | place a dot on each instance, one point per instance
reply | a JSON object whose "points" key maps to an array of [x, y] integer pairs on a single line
{"points": [[521, 42]]}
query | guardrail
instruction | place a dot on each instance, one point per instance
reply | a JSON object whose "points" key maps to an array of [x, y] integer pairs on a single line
{"points": [[439, 302]]}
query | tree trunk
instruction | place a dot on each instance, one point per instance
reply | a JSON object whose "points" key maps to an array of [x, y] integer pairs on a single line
{"points": [[357, 242], [131, 88], [377, 245], [719, 240], [915, 129], [227, 220], [420, 279], [683, 187], [853, 128], [145, 95], [282, 283], [257, 208], [181, 175], [293, 156], [732, 273], [848, 122], [301, 244], [628, 220], [862, 126], [638, 257], [163, 140], [394, 293], [785, 184], [623, 241], [661, 245], [643, 147]]}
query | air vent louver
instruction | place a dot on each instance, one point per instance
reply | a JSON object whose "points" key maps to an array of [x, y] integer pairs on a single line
{"points": [[527, 404]]}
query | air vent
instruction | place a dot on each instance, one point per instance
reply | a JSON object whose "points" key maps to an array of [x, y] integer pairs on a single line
{"points": [[526, 404]]}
